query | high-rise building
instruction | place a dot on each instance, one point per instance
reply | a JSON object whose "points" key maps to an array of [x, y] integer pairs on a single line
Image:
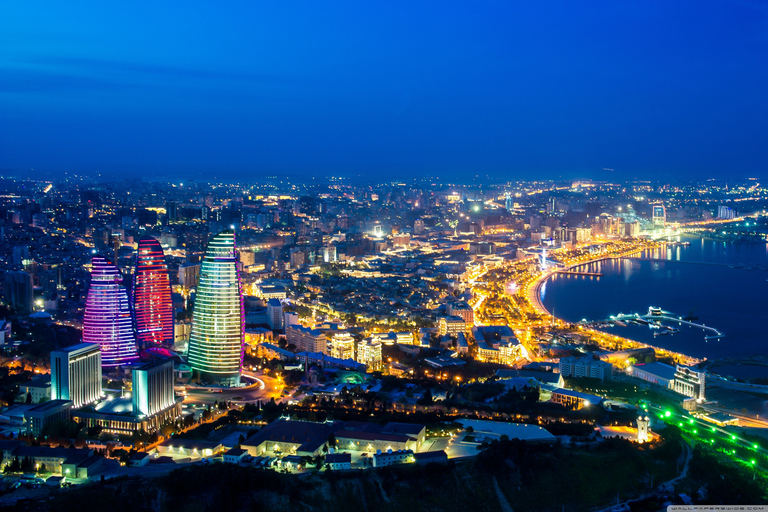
{"points": [[152, 303], [18, 291], [153, 388], [107, 319], [659, 216], [275, 314], [216, 341], [76, 374]]}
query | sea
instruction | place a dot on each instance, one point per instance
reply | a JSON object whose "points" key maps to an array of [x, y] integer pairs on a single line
{"points": [[723, 285]]}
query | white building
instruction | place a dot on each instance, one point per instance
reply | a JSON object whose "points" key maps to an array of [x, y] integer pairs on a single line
{"points": [[390, 458], [585, 367], [76, 374], [306, 339], [343, 346], [275, 314], [369, 353], [153, 388]]}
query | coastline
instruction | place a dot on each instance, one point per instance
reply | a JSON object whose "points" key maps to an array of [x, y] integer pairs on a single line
{"points": [[534, 298]]}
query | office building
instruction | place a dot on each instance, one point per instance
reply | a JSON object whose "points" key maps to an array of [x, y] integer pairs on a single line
{"points": [[153, 388], [39, 416], [152, 304], [275, 314], [76, 374], [107, 319], [216, 341]]}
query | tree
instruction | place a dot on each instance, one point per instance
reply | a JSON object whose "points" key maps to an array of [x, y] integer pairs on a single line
{"points": [[426, 398], [29, 397], [41, 470]]}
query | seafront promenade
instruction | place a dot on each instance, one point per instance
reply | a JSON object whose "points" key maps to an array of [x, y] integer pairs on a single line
{"points": [[533, 295]]}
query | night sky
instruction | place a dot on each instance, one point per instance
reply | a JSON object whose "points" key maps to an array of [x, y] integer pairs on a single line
{"points": [[508, 89]]}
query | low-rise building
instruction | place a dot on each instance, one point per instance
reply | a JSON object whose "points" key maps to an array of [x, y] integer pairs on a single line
{"points": [[575, 399], [656, 373], [38, 389], [39, 416], [390, 458], [235, 455], [338, 461], [438, 456], [324, 361], [188, 448]]}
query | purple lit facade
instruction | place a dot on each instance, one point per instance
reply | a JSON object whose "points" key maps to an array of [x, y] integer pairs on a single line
{"points": [[107, 318]]}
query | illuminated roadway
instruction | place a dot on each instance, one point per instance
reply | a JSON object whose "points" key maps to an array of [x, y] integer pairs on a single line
{"points": [[263, 388]]}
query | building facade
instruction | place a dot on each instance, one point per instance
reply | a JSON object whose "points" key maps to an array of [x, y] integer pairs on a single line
{"points": [[343, 346], [152, 304], [216, 341], [108, 321], [153, 388], [76, 374]]}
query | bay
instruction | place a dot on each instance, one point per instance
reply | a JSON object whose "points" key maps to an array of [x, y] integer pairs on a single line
{"points": [[716, 281]]}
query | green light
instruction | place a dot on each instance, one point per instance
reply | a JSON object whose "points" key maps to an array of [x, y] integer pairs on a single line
{"points": [[667, 414], [695, 431], [752, 461], [680, 424], [754, 446], [690, 421], [733, 438], [713, 429]]}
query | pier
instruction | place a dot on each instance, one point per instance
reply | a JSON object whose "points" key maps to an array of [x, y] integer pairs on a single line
{"points": [[717, 334]]}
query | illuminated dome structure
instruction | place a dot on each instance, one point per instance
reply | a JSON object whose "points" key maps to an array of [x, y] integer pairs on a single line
{"points": [[216, 341], [152, 303], [107, 319]]}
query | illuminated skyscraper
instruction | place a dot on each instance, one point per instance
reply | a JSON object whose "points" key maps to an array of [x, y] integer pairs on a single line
{"points": [[216, 341], [107, 318], [152, 304]]}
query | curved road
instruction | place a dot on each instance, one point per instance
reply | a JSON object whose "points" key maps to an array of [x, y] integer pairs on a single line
{"points": [[263, 388]]}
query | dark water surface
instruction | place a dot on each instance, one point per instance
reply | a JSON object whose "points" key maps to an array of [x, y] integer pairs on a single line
{"points": [[693, 280]]}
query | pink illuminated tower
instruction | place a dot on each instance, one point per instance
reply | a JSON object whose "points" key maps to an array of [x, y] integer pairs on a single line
{"points": [[107, 318]]}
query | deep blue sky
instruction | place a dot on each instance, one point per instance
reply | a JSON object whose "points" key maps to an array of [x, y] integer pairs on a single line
{"points": [[510, 89]]}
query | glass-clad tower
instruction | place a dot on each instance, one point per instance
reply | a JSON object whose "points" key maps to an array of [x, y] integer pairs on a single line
{"points": [[107, 318], [216, 341], [152, 304]]}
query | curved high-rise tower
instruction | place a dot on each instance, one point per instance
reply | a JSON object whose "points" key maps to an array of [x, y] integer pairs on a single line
{"points": [[107, 319], [152, 304], [216, 341]]}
